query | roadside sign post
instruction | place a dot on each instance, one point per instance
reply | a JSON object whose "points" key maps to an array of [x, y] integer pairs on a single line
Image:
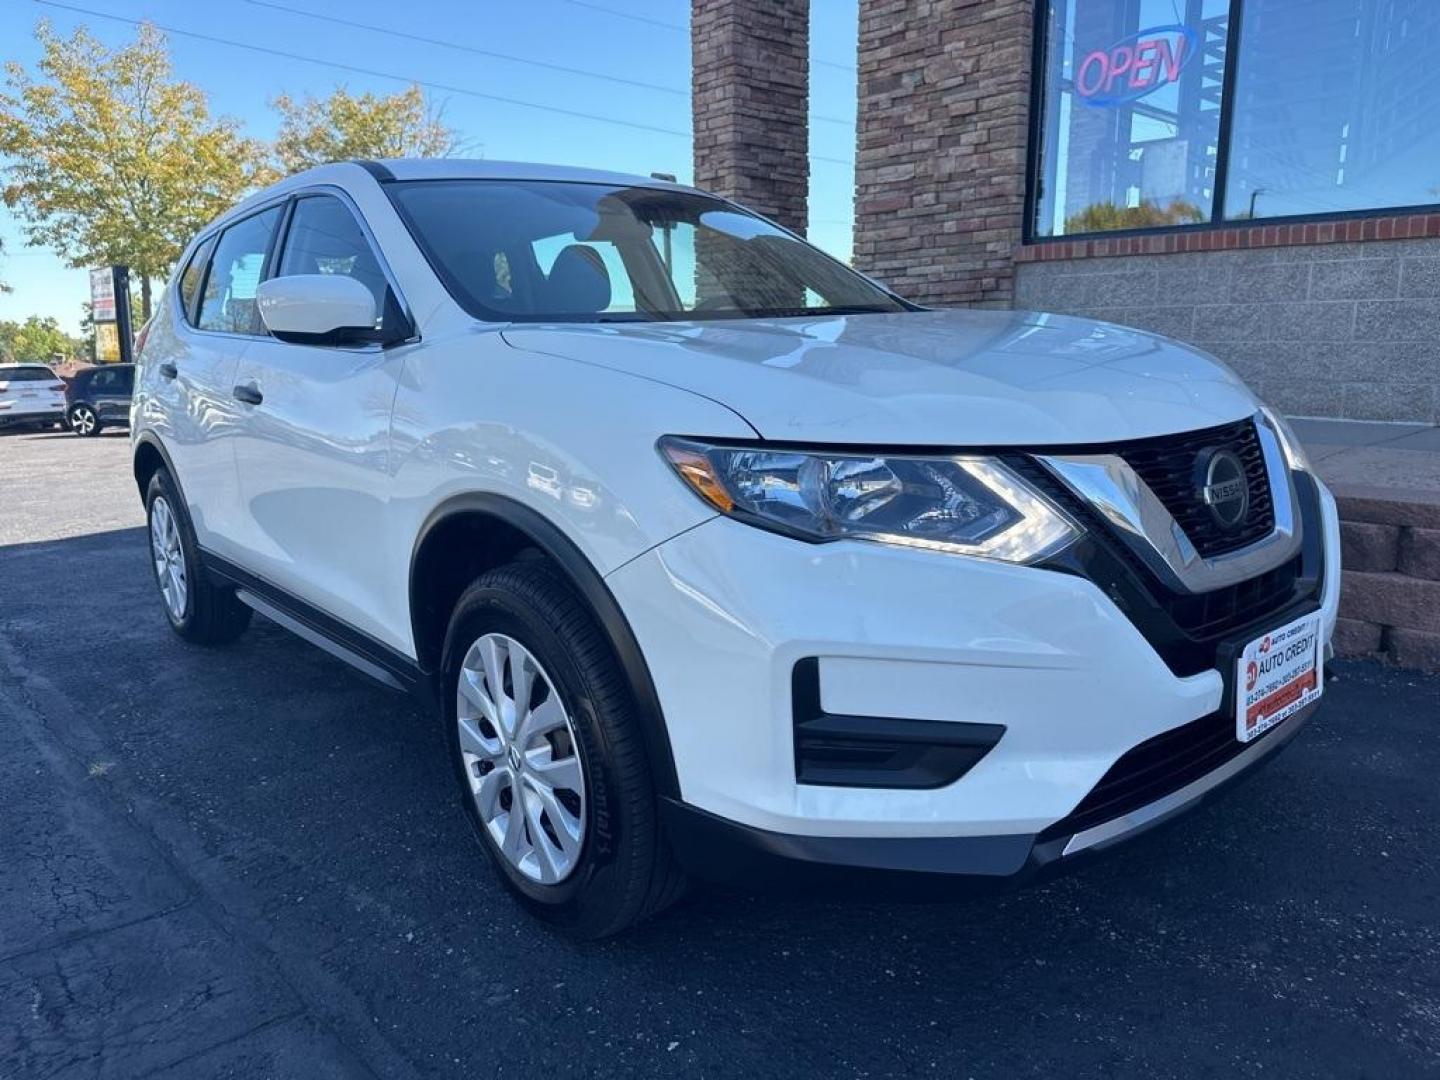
{"points": [[110, 314]]}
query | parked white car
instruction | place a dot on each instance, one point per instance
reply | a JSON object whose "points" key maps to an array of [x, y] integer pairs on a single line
{"points": [[31, 395], [717, 557]]}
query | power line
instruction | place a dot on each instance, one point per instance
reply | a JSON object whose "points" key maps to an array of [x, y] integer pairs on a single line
{"points": [[389, 32], [374, 73], [683, 28], [659, 88], [628, 15], [447, 88]]}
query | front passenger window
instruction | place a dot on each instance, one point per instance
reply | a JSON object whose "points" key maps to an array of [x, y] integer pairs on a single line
{"points": [[228, 303], [325, 238]]}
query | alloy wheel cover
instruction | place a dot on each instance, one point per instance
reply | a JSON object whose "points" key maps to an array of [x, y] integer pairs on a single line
{"points": [[521, 759], [169, 558]]}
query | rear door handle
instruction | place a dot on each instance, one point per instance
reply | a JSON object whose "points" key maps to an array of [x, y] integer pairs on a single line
{"points": [[249, 393], [168, 370]]}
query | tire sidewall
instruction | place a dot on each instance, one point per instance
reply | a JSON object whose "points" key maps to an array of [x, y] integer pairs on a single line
{"points": [[496, 610], [162, 486]]}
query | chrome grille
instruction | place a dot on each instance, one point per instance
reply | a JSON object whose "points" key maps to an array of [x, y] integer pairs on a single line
{"points": [[1168, 467]]}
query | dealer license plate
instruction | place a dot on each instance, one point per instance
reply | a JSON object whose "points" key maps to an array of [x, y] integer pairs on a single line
{"points": [[1278, 675]]}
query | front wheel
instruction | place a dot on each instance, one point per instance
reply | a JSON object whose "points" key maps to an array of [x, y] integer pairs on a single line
{"points": [[198, 610], [549, 756], [84, 421]]}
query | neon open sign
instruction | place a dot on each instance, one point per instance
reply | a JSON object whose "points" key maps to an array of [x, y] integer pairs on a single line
{"points": [[1135, 66]]}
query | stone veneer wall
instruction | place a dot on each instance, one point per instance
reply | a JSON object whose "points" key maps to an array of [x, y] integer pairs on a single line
{"points": [[750, 100], [1390, 595], [940, 162], [1346, 330]]}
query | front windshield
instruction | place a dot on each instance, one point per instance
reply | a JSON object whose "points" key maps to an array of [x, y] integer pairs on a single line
{"points": [[557, 251]]}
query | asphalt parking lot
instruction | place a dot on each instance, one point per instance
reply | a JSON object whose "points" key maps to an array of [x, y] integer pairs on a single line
{"points": [[248, 863]]}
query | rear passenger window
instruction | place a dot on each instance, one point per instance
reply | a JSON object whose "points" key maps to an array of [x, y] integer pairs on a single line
{"points": [[228, 303], [325, 238], [190, 278]]}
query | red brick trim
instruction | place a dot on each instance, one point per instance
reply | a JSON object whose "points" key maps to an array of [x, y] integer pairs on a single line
{"points": [[1403, 227]]}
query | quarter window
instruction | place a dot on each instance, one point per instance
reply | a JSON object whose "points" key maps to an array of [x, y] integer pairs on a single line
{"points": [[228, 302], [325, 238], [191, 277]]}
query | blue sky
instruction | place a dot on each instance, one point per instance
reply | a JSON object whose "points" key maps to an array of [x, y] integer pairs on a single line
{"points": [[644, 41]]}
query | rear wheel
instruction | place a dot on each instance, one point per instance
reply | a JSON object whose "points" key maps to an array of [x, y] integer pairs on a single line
{"points": [[548, 753], [84, 421], [198, 610]]}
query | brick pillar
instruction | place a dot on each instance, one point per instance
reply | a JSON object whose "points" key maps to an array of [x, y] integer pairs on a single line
{"points": [[750, 97], [940, 165]]}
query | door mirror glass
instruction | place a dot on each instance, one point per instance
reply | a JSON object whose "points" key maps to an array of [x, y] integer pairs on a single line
{"points": [[318, 309]]}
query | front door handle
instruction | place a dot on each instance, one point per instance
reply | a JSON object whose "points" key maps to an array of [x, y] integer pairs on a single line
{"points": [[249, 393], [169, 371]]}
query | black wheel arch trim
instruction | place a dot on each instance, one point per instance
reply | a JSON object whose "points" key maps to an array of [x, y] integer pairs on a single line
{"points": [[148, 439], [551, 540]]}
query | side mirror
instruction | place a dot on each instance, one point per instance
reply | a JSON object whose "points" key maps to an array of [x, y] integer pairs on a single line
{"points": [[318, 309]]}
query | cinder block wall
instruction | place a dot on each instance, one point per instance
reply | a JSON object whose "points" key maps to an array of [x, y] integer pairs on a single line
{"points": [[1390, 596], [1346, 330]]}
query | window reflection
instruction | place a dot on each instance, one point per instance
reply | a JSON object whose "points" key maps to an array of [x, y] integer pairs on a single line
{"points": [[1337, 107], [1131, 114]]}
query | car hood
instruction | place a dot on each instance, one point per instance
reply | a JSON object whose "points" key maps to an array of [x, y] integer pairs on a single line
{"points": [[946, 378]]}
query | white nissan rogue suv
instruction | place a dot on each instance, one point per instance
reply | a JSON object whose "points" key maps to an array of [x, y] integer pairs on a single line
{"points": [[718, 558]]}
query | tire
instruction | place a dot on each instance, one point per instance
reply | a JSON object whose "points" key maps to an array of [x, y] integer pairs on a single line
{"points": [[199, 611], [84, 420], [622, 871]]}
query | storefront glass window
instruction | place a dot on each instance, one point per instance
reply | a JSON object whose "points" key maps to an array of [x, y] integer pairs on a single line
{"points": [[1337, 107], [1130, 114]]}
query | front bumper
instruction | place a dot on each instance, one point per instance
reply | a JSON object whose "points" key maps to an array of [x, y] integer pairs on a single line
{"points": [[725, 612], [713, 848]]}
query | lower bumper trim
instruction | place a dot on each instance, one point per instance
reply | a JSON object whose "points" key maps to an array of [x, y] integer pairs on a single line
{"points": [[718, 849], [1152, 814]]}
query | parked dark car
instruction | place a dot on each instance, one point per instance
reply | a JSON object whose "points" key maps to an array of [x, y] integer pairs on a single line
{"points": [[99, 397]]}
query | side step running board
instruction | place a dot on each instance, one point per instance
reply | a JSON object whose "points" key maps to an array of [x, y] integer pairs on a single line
{"points": [[315, 637]]}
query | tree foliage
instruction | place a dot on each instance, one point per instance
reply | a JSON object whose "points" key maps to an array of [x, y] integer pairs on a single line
{"points": [[113, 161], [37, 339], [1105, 216], [345, 126]]}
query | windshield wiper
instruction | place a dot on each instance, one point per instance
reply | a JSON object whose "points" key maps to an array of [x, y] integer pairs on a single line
{"points": [[844, 309]]}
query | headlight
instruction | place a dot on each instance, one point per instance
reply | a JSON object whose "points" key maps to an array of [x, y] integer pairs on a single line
{"points": [[967, 505], [1289, 441]]}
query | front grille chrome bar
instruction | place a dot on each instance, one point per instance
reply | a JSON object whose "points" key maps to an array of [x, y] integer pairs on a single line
{"points": [[1141, 521]]}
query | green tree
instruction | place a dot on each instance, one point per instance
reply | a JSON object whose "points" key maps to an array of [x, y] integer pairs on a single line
{"points": [[37, 339], [113, 161], [345, 126], [1103, 217]]}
